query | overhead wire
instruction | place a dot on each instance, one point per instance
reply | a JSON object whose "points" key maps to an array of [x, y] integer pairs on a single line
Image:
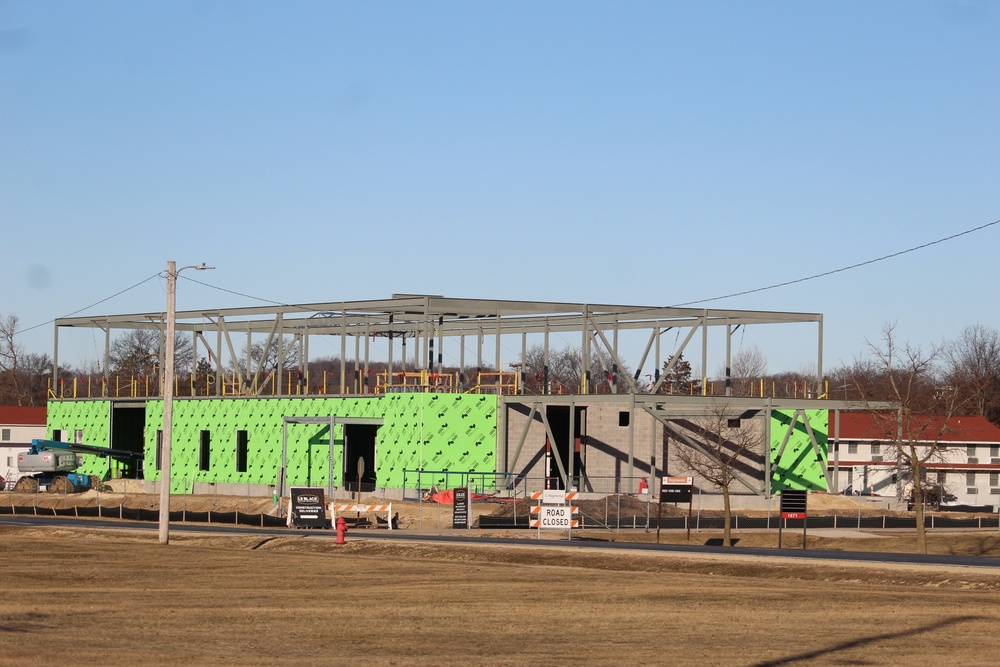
{"points": [[678, 305], [840, 270], [96, 303]]}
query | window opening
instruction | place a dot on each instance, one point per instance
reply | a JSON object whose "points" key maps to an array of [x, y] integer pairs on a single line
{"points": [[242, 448], [205, 450]]}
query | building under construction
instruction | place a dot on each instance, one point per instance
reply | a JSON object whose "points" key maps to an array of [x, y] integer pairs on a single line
{"points": [[391, 419]]}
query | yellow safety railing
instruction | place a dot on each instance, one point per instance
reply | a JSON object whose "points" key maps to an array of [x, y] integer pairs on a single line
{"points": [[486, 382]]}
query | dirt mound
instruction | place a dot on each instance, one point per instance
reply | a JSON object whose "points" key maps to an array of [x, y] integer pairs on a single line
{"points": [[129, 486]]}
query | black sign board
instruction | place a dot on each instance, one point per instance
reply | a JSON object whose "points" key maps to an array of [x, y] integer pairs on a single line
{"points": [[308, 508], [676, 490], [460, 515], [793, 504]]}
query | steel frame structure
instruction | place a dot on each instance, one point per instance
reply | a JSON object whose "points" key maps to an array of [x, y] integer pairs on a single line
{"points": [[430, 319], [667, 410]]}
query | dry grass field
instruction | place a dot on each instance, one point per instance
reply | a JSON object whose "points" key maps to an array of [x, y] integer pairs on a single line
{"points": [[113, 597]]}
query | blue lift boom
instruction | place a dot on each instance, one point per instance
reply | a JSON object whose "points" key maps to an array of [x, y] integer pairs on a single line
{"points": [[51, 465]]}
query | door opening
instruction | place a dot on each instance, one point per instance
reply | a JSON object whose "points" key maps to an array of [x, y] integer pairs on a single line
{"points": [[558, 418], [359, 443], [128, 426]]}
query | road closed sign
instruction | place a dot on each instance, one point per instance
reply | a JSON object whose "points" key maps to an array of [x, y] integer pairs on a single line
{"points": [[556, 518]]}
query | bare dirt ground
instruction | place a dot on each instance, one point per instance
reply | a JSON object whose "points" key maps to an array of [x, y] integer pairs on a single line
{"points": [[118, 597]]}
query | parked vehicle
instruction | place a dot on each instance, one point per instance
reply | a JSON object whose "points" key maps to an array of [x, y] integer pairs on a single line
{"points": [[935, 497], [51, 465]]}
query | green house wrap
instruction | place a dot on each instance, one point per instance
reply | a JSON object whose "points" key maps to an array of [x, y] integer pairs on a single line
{"points": [[799, 450], [240, 440]]}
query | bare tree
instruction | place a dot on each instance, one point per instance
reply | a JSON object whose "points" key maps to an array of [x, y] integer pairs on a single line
{"points": [[714, 450], [10, 355], [908, 376], [747, 365], [23, 375], [565, 371], [264, 356], [973, 368], [36, 370], [137, 352]]}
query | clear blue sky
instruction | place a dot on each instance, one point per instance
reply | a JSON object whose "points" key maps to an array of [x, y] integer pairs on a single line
{"points": [[653, 153]]}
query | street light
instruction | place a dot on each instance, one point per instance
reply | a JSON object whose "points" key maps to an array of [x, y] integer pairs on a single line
{"points": [[168, 395]]}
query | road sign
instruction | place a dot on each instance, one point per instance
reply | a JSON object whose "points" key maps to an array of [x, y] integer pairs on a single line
{"points": [[556, 518], [557, 497], [554, 497], [460, 514], [308, 507], [793, 504], [676, 489]]}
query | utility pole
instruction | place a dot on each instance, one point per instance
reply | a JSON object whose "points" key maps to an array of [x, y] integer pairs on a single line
{"points": [[168, 396]]}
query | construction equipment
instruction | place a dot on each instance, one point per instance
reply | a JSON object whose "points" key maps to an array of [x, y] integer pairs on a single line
{"points": [[935, 497], [51, 465]]}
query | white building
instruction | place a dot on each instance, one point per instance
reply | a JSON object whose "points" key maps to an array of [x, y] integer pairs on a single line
{"points": [[19, 425], [967, 466]]}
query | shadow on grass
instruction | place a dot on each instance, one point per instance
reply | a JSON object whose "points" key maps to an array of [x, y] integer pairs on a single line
{"points": [[986, 545], [25, 622], [812, 655]]}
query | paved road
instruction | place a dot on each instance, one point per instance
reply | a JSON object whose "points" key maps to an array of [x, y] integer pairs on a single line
{"points": [[577, 542]]}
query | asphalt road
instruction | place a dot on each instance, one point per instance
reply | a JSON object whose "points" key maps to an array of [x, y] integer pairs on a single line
{"points": [[520, 541]]}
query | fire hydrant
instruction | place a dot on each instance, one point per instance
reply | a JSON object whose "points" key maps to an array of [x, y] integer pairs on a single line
{"points": [[341, 530]]}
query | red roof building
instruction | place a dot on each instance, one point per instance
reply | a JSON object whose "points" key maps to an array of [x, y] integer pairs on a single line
{"points": [[964, 429], [967, 462], [22, 415]]}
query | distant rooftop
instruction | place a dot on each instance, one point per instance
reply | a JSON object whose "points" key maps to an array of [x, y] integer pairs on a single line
{"points": [[21, 415]]}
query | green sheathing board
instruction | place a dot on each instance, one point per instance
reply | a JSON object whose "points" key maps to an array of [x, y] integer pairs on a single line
{"points": [[430, 431], [91, 417], [800, 467]]}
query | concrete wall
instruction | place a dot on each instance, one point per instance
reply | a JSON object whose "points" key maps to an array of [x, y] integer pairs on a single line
{"points": [[604, 450]]}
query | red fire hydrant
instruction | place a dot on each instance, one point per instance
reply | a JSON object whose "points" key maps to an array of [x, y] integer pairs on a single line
{"points": [[341, 530]]}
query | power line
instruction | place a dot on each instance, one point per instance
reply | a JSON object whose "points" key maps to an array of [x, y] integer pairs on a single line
{"points": [[234, 292], [842, 269], [678, 305], [97, 303]]}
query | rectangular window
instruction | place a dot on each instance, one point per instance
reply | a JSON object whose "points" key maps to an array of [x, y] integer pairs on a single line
{"points": [[852, 448], [994, 451], [205, 450], [78, 436], [970, 479], [876, 448], [242, 448], [57, 435], [995, 479], [5, 436], [159, 449], [623, 418], [942, 477], [733, 423], [970, 450]]}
